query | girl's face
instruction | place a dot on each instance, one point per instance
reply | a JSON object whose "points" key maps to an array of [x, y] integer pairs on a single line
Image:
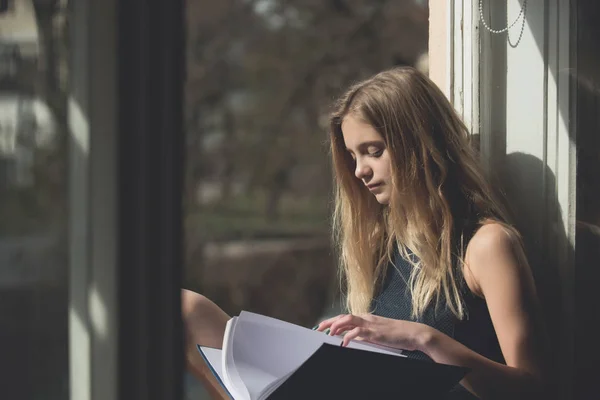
{"points": [[371, 157]]}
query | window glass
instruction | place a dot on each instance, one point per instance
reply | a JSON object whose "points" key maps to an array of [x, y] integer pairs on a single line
{"points": [[261, 76]]}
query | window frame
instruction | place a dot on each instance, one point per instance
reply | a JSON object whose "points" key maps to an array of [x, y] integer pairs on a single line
{"points": [[125, 194]]}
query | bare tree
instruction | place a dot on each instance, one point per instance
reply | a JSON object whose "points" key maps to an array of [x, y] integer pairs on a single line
{"points": [[285, 60]]}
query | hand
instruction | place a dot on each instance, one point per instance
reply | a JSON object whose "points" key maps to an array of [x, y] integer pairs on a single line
{"points": [[405, 335]]}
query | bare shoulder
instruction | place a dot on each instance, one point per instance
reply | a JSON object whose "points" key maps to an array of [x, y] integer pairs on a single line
{"points": [[493, 237], [494, 251]]}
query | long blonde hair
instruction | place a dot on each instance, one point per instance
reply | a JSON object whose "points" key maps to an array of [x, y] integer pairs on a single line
{"points": [[437, 186]]}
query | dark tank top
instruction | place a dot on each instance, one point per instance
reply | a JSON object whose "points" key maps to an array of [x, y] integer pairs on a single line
{"points": [[475, 331]]}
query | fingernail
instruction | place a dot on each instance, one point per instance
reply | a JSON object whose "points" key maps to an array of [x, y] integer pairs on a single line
{"points": [[327, 331]]}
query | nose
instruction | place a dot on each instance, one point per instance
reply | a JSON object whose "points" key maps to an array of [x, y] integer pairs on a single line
{"points": [[362, 170]]}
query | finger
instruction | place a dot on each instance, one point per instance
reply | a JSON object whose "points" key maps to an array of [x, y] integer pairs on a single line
{"points": [[342, 330], [345, 323], [328, 322], [355, 333], [323, 325]]}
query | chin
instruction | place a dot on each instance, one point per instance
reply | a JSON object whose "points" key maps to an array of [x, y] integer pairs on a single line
{"points": [[383, 199]]}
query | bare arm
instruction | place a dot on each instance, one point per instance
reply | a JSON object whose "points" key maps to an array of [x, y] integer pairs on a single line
{"points": [[497, 270]]}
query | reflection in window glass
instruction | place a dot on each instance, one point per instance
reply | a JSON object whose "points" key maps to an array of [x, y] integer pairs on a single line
{"points": [[33, 156], [260, 79]]}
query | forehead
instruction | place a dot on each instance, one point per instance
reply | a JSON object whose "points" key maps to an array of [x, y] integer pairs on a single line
{"points": [[356, 132]]}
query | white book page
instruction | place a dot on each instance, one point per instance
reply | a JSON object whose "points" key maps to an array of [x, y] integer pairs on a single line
{"points": [[267, 350], [255, 379], [279, 324], [226, 341], [265, 355], [214, 357], [231, 376]]}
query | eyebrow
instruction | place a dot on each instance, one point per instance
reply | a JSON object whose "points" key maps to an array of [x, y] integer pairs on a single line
{"points": [[365, 145]]}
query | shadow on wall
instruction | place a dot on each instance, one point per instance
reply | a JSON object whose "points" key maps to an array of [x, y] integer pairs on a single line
{"points": [[524, 189], [522, 180], [518, 181], [530, 189]]}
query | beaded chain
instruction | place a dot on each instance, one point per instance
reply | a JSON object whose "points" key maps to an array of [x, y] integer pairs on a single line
{"points": [[521, 13]]}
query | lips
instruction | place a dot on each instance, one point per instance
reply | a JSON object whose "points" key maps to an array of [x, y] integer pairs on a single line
{"points": [[373, 186]]}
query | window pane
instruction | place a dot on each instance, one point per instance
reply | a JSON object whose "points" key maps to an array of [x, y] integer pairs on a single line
{"points": [[33, 165], [260, 79]]}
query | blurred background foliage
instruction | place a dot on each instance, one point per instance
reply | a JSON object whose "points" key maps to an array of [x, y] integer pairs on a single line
{"points": [[261, 77]]}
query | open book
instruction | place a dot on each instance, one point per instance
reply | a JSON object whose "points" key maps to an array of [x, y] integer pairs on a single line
{"points": [[264, 357]]}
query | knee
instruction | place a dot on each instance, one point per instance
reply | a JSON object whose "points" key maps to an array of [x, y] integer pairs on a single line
{"points": [[193, 303], [196, 307], [203, 320]]}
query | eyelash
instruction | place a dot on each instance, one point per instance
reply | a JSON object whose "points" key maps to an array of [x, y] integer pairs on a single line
{"points": [[375, 154]]}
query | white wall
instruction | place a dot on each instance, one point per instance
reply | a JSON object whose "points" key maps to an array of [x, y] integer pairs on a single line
{"points": [[516, 95], [528, 142]]}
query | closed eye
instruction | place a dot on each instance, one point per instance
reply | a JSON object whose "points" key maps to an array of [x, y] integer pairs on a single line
{"points": [[376, 153]]}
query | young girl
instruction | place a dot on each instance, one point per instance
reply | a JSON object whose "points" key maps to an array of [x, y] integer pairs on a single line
{"points": [[430, 263]]}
